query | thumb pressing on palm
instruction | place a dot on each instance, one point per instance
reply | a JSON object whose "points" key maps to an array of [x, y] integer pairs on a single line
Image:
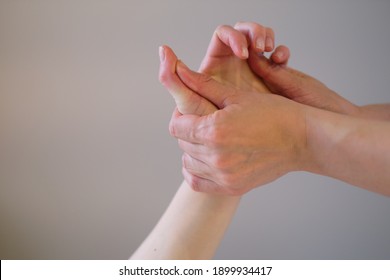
{"points": [[187, 101]]}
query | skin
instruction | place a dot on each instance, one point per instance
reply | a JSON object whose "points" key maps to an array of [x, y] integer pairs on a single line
{"points": [[254, 139], [194, 223]]}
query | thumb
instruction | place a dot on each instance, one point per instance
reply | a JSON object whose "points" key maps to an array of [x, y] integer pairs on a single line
{"points": [[187, 101], [205, 85]]}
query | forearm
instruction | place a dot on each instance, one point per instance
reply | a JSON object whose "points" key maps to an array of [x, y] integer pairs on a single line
{"points": [[191, 228], [351, 149], [375, 112]]}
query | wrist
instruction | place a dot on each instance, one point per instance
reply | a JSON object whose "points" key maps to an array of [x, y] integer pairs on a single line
{"points": [[374, 112], [325, 132], [302, 152]]}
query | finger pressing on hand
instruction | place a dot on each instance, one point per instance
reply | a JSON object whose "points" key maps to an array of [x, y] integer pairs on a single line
{"points": [[281, 55], [194, 150], [199, 184], [260, 38], [196, 167], [186, 100], [230, 37], [277, 77], [190, 128], [205, 86]]}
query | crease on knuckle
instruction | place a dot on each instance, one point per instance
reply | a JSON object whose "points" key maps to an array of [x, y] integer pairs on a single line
{"points": [[195, 183]]}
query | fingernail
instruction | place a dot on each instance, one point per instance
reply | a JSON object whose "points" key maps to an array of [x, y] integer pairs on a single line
{"points": [[245, 52], [269, 43], [161, 52], [260, 44]]}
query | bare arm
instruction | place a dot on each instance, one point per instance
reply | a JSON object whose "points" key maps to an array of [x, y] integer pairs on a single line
{"points": [[375, 112], [191, 228], [194, 223], [249, 151], [351, 149]]}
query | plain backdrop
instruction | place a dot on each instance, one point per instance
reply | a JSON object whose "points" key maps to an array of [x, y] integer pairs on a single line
{"points": [[87, 165]]}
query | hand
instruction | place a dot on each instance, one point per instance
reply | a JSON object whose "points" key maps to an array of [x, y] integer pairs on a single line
{"points": [[226, 57], [187, 101], [254, 138], [225, 61], [286, 81]]}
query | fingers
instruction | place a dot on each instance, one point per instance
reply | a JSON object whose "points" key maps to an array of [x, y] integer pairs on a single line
{"points": [[194, 150], [196, 167], [262, 39], [205, 86], [278, 78], [199, 184], [281, 55], [268, 69], [227, 40], [187, 101], [190, 128]]}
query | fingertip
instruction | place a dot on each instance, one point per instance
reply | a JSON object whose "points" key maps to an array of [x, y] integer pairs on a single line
{"points": [[269, 44], [281, 55], [270, 39], [260, 44]]}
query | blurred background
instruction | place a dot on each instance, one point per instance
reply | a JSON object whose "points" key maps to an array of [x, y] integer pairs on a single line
{"points": [[87, 165]]}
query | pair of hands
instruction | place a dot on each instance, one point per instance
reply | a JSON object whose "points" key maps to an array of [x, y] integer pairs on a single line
{"points": [[234, 138]]}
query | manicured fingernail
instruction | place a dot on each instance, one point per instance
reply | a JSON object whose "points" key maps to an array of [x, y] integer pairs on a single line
{"points": [[260, 44], [269, 44], [245, 52], [161, 52]]}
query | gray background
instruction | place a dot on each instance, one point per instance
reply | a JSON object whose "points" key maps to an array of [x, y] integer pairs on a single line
{"points": [[87, 165]]}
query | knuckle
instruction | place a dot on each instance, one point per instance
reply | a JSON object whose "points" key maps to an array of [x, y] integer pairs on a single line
{"points": [[234, 183], [220, 162], [270, 31], [215, 133], [238, 23], [164, 77], [221, 27], [228, 181], [195, 183], [212, 139]]}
